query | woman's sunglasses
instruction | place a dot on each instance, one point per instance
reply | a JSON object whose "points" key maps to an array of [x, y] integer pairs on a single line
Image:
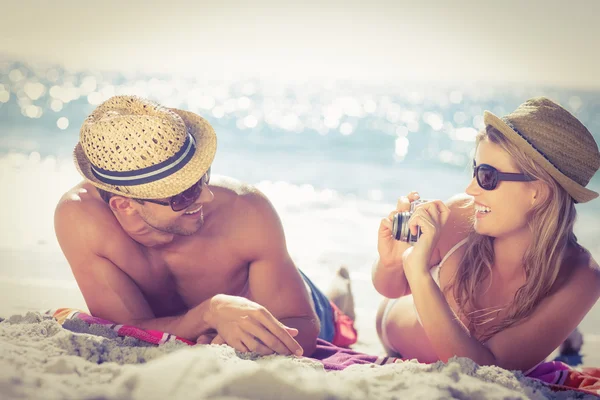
{"points": [[488, 176], [183, 200]]}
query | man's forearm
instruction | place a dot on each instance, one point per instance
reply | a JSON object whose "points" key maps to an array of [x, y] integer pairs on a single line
{"points": [[308, 330], [188, 326]]}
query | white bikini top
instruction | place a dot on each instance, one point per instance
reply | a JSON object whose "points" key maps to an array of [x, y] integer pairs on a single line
{"points": [[435, 270]]}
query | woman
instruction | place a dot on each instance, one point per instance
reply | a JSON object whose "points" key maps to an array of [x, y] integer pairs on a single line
{"points": [[497, 276]]}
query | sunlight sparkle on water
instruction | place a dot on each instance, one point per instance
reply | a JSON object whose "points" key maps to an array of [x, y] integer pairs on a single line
{"points": [[402, 147], [243, 103], [250, 121], [16, 75], [478, 122], [94, 98], [4, 95], [350, 106], [413, 126], [65, 93], [346, 128], [230, 106], [289, 122], [206, 102], [88, 85], [56, 105], [464, 134], [394, 113], [62, 123], [402, 131], [32, 111], [449, 157], [575, 102], [370, 106], [34, 90], [460, 117], [434, 120], [456, 97], [52, 75], [218, 112]]}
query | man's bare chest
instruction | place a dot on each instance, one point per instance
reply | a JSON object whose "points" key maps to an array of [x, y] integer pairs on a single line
{"points": [[177, 279]]}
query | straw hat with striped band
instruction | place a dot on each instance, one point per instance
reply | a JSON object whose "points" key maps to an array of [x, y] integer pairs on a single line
{"points": [[136, 148], [554, 139]]}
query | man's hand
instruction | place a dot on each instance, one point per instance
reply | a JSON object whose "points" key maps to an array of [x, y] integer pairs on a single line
{"points": [[210, 338], [247, 326]]}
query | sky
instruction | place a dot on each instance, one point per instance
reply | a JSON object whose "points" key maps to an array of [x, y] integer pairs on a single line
{"points": [[533, 42]]}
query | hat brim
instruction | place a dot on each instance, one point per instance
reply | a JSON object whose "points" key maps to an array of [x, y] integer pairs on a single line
{"points": [[579, 193], [192, 172]]}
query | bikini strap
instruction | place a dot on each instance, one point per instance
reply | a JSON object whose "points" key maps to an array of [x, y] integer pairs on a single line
{"points": [[452, 250]]}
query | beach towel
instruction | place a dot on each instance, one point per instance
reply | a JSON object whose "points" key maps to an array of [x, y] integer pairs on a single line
{"points": [[145, 335], [557, 375], [561, 376]]}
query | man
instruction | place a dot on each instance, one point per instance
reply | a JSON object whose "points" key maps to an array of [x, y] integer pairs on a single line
{"points": [[152, 245]]}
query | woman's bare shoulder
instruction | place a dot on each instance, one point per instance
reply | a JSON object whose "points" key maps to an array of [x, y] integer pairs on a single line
{"points": [[587, 266], [580, 271]]}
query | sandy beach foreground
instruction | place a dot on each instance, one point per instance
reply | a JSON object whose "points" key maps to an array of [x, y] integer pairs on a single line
{"points": [[41, 359]]}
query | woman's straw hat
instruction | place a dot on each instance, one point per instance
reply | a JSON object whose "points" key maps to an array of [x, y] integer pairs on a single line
{"points": [[554, 139], [136, 148]]}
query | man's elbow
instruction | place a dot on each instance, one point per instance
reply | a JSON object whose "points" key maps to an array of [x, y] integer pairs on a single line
{"points": [[310, 346], [309, 335]]}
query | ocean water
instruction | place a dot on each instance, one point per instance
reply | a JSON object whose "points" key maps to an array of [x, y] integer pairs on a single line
{"points": [[333, 156]]}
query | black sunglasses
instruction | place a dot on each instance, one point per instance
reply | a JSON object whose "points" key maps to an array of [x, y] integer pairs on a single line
{"points": [[488, 176], [183, 200]]}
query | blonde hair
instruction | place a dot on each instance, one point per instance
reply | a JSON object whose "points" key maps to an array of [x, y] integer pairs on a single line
{"points": [[552, 220]]}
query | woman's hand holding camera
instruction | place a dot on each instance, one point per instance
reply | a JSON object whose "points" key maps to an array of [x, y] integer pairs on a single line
{"points": [[430, 216], [391, 250]]}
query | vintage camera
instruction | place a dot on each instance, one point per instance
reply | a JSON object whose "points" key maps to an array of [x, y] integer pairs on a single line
{"points": [[400, 229]]}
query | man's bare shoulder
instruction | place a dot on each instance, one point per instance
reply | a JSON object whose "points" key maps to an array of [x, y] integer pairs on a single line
{"points": [[81, 201], [251, 200], [81, 213], [232, 185], [240, 197], [249, 215]]}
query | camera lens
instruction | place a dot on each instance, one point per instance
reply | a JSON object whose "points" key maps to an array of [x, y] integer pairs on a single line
{"points": [[400, 229], [395, 230]]}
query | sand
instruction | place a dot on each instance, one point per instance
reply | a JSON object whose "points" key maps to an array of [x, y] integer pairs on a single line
{"points": [[41, 359]]}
